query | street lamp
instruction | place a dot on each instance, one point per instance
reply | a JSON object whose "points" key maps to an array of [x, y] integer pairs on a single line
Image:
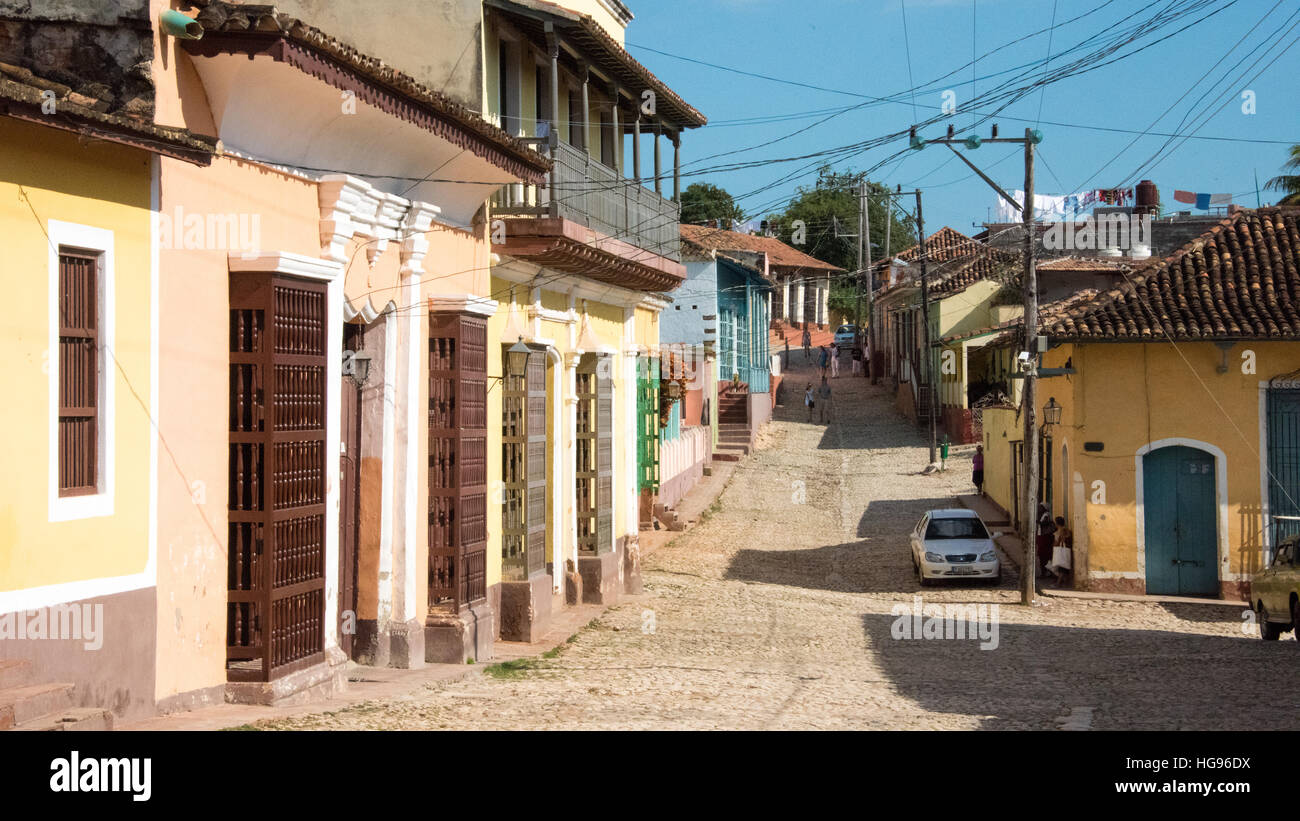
{"points": [[1051, 413], [356, 364], [517, 356]]}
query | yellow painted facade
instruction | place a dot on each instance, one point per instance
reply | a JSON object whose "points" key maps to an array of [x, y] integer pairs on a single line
{"points": [[47, 176], [1128, 396], [605, 321]]}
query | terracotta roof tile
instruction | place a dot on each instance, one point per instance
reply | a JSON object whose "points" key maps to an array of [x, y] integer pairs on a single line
{"points": [[959, 273], [1239, 280], [21, 97], [702, 238], [1084, 264]]}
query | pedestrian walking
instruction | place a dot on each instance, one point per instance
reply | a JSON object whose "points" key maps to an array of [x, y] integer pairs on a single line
{"points": [[857, 360], [824, 398], [808, 400], [1043, 542], [835, 360], [1062, 553], [824, 359], [807, 346], [977, 469]]}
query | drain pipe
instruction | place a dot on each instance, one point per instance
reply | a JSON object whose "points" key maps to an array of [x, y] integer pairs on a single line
{"points": [[179, 26]]}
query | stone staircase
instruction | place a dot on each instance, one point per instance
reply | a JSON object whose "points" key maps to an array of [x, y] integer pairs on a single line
{"points": [[733, 427], [781, 332], [28, 706]]}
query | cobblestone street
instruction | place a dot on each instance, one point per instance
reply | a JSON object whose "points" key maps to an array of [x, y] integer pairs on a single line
{"points": [[775, 612]]}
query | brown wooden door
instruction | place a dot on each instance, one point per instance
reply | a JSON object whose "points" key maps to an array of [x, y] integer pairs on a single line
{"points": [[275, 621], [457, 461], [349, 501]]}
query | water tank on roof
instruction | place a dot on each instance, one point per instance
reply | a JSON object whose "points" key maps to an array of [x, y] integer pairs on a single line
{"points": [[1148, 198]]}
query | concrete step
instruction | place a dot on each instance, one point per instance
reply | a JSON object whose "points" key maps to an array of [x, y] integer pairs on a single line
{"points": [[736, 449], [14, 673], [726, 456], [22, 704], [73, 719]]}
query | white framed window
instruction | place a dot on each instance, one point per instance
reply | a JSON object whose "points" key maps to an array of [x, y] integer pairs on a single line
{"points": [[82, 421]]}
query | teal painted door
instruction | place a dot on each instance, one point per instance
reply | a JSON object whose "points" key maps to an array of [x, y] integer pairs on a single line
{"points": [[1283, 463], [1181, 522]]}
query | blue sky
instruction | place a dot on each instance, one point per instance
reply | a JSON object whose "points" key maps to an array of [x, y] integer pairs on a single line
{"points": [[859, 47]]}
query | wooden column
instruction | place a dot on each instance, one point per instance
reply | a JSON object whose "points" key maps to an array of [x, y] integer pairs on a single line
{"points": [[677, 167], [553, 128], [618, 132], [636, 147], [586, 109], [659, 173]]}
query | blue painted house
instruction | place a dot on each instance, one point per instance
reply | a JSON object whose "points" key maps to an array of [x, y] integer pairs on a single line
{"points": [[725, 308]]}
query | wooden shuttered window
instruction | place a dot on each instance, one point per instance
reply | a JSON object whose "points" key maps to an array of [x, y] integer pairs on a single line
{"points": [[536, 463], [457, 461], [594, 455], [647, 409], [79, 371], [523, 458]]}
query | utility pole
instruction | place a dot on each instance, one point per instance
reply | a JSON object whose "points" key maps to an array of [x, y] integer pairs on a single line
{"points": [[873, 338], [864, 247], [1029, 570], [1029, 457], [927, 365]]}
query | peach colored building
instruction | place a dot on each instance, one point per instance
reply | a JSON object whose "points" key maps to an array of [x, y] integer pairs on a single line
{"points": [[324, 291]]}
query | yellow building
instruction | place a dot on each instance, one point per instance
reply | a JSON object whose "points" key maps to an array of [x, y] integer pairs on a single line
{"points": [[968, 287], [1175, 460], [579, 267], [78, 537]]}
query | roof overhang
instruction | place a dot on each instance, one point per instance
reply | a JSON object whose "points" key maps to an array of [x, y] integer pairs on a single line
{"points": [[588, 42], [564, 245], [24, 102], [400, 142]]}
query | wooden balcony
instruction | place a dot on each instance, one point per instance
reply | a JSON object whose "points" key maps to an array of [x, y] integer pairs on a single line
{"points": [[595, 196]]}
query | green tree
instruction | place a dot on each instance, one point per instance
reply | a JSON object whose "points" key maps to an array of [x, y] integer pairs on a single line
{"points": [[1288, 184], [829, 211], [702, 201]]}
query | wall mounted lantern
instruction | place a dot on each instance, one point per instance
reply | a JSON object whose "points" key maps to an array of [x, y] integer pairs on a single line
{"points": [[1051, 412], [517, 355], [356, 364]]}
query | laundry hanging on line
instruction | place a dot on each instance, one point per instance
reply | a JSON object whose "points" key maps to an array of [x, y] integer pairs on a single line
{"points": [[1204, 202], [1051, 207]]}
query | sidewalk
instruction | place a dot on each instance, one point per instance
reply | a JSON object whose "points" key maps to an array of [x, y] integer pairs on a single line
{"points": [[389, 683], [1013, 550]]}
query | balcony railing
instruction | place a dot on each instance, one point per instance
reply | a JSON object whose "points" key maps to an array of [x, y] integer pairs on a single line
{"points": [[595, 195]]}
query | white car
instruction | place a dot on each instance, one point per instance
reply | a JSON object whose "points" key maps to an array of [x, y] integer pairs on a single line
{"points": [[846, 335], [954, 544]]}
